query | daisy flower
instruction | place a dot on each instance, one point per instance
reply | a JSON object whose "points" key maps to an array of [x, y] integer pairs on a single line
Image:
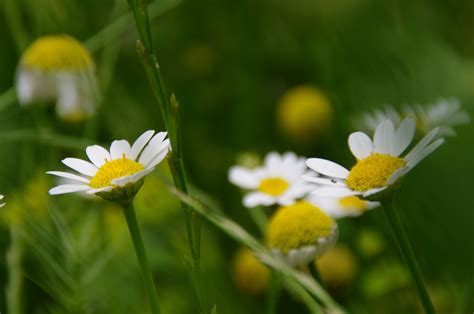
{"points": [[278, 181], [300, 232], [116, 174], [445, 114], [1, 203], [369, 121], [58, 68], [340, 207], [379, 164]]}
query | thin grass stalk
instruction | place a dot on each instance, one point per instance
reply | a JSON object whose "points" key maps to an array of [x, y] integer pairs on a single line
{"points": [[131, 218], [170, 113], [406, 250], [14, 258]]}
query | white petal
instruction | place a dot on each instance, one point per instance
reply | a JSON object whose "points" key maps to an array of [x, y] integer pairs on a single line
{"points": [[396, 175], [159, 154], [422, 144], [153, 148], [256, 198], [415, 159], [81, 166], [384, 137], [273, 161], [328, 191], [327, 168], [403, 136], [243, 177], [324, 181], [119, 148], [68, 188], [132, 178], [69, 176], [373, 191], [360, 145], [104, 189], [98, 155], [139, 144]]}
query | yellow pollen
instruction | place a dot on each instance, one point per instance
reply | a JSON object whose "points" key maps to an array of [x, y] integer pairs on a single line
{"points": [[353, 203], [60, 52], [114, 169], [273, 186], [373, 172], [298, 225]]}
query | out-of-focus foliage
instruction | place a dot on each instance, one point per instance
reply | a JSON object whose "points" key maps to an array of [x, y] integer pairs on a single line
{"points": [[229, 63]]}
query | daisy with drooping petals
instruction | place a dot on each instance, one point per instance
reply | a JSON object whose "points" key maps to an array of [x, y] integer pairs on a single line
{"points": [[300, 232], [116, 174], [340, 207], [278, 181], [58, 68], [379, 164]]}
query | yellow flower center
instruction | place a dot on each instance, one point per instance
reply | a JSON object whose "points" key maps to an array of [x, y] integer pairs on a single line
{"points": [[248, 273], [353, 203], [373, 172], [298, 225], [59, 52], [114, 169], [273, 186]]}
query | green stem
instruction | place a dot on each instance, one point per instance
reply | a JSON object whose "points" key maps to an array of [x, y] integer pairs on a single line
{"points": [[314, 271], [129, 212], [273, 292], [407, 252], [259, 218], [14, 259], [170, 113]]}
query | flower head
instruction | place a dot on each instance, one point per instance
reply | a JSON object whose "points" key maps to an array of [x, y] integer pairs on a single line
{"points": [[379, 164], [58, 68], [338, 267], [116, 175], [304, 112], [300, 232], [248, 273], [340, 207], [278, 181]]}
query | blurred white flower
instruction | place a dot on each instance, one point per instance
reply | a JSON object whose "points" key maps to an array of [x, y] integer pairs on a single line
{"points": [[58, 68], [278, 181], [340, 207], [1, 203], [115, 175], [378, 163]]}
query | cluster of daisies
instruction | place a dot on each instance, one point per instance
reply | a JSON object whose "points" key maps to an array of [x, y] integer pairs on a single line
{"points": [[311, 193]]}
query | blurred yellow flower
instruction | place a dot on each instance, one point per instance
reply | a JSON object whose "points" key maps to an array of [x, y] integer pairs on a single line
{"points": [[248, 273], [304, 113], [338, 267], [300, 232], [58, 68], [369, 242]]}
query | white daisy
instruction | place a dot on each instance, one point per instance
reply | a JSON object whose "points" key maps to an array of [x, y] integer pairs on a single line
{"points": [[278, 181], [112, 175], [1, 203], [378, 163], [445, 114], [340, 207], [58, 68], [369, 121], [300, 232]]}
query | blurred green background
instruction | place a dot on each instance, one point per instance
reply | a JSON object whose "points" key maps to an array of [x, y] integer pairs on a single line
{"points": [[229, 62]]}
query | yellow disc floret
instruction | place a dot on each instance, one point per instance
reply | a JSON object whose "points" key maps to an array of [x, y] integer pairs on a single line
{"points": [[59, 52], [373, 172], [298, 225], [303, 113], [353, 203], [248, 273], [273, 186], [114, 169]]}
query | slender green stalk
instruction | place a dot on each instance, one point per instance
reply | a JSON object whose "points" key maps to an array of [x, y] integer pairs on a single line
{"points": [[14, 21], [259, 218], [14, 259], [407, 252], [170, 112], [129, 212], [272, 298], [314, 271]]}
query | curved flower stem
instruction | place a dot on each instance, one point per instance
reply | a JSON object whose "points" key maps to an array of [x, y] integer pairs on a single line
{"points": [[169, 108], [273, 292], [129, 212], [314, 271], [407, 252]]}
